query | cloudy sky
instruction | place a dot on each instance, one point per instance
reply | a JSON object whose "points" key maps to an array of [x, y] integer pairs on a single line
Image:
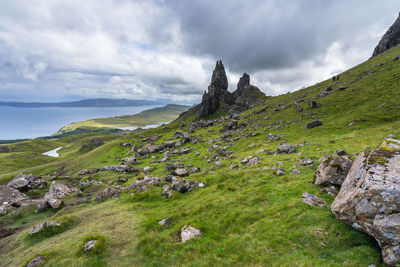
{"points": [[57, 50]]}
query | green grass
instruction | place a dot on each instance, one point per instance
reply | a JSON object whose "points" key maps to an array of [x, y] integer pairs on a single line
{"points": [[248, 217]]}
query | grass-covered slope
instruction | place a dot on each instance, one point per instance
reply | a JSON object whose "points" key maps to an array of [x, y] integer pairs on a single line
{"points": [[147, 117], [248, 217]]}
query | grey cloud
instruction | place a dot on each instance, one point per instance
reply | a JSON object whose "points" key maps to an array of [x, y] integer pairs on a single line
{"points": [[167, 49]]}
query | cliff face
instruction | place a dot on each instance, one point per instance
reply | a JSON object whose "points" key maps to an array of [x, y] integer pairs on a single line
{"points": [[245, 96], [390, 39]]}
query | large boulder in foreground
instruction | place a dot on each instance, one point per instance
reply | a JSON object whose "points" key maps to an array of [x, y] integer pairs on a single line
{"points": [[369, 199], [332, 170]]}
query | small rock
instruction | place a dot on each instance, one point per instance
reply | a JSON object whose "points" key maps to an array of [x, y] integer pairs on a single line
{"points": [[182, 172], [89, 245], [165, 221], [37, 261], [331, 190], [280, 171], [313, 200], [55, 203], [188, 232], [218, 163], [313, 124], [146, 169], [285, 148]]}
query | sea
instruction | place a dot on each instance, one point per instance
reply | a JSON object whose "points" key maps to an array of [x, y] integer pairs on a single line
{"points": [[26, 123]]}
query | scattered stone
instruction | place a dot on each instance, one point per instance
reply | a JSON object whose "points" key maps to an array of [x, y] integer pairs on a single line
{"points": [[313, 124], [43, 226], [253, 161], [165, 221], [342, 87], [313, 200], [331, 190], [88, 172], [37, 261], [305, 162], [280, 171], [313, 104], [218, 163], [89, 245], [285, 148], [182, 172], [188, 232], [107, 193], [295, 171], [351, 123], [332, 170], [55, 203], [147, 169]]}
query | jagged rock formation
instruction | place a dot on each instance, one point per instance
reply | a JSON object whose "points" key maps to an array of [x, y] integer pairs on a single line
{"points": [[217, 91], [245, 96], [369, 198], [390, 39]]}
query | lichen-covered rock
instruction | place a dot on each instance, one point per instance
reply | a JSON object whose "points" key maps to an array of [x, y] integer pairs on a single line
{"points": [[41, 227], [11, 197], [59, 190], [188, 232], [369, 199], [332, 170]]}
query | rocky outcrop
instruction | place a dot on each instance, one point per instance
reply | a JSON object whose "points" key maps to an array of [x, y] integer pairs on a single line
{"points": [[245, 96], [390, 39], [369, 199], [217, 92], [10, 197]]}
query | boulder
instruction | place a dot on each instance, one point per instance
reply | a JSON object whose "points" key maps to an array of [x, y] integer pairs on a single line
{"points": [[183, 185], [59, 190], [332, 170], [285, 148], [188, 232], [24, 182], [55, 203], [313, 104], [182, 172], [312, 200], [369, 199], [11, 197], [313, 124]]}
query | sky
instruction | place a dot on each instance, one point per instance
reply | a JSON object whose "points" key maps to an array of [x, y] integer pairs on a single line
{"points": [[65, 50]]}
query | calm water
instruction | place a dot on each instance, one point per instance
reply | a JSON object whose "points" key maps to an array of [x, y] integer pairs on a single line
{"points": [[20, 123]]}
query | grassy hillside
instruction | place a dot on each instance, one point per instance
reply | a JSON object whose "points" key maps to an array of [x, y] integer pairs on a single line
{"points": [[249, 216], [147, 117]]}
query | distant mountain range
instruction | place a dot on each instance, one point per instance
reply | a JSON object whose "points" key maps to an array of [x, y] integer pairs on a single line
{"points": [[86, 103]]}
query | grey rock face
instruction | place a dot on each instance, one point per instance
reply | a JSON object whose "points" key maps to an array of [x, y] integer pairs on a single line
{"points": [[332, 170], [245, 96], [313, 200], [390, 39], [369, 199]]}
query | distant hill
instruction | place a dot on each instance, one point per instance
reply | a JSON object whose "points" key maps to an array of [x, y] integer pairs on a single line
{"points": [[147, 117], [86, 103]]}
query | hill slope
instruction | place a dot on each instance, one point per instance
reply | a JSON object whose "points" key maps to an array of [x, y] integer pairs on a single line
{"points": [[147, 117], [248, 216]]}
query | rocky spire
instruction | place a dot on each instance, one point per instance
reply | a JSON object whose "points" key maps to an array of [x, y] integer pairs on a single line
{"points": [[243, 82], [217, 91], [390, 39]]}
